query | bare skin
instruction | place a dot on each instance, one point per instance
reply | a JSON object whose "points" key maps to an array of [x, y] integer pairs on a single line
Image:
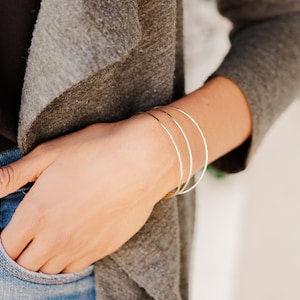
{"points": [[95, 188]]}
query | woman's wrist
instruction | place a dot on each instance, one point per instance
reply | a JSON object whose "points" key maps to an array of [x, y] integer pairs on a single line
{"points": [[222, 112], [220, 109], [152, 153]]}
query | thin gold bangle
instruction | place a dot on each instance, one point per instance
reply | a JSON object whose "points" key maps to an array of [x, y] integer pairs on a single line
{"points": [[204, 144], [190, 174], [170, 194]]}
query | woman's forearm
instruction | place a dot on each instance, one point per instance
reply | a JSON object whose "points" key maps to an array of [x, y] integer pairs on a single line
{"points": [[221, 110]]}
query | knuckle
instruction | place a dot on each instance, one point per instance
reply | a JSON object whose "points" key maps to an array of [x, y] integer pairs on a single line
{"points": [[42, 148], [27, 264], [44, 153], [49, 147], [55, 242], [37, 211], [7, 175], [60, 240]]}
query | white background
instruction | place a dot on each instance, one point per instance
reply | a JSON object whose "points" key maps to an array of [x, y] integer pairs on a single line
{"points": [[247, 240]]}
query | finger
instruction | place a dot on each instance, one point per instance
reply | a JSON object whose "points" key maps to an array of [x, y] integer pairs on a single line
{"points": [[10, 249], [28, 261], [27, 169], [56, 264], [67, 260], [21, 229], [78, 265], [82, 260], [53, 261], [46, 256], [35, 256]]}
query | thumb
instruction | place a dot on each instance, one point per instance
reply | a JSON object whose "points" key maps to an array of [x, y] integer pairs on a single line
{"points": [[27, 169]]}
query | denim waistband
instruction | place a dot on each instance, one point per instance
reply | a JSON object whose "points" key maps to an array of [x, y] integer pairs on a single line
{"points": [[9, 156]]}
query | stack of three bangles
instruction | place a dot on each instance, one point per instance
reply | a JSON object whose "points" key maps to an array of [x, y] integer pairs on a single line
{"points": [[182, 187]]}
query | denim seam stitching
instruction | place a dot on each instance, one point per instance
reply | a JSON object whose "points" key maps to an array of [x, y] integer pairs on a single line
{"points": [[27, 277]]}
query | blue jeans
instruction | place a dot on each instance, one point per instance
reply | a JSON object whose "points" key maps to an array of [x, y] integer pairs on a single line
{"points": [[17, 283]]}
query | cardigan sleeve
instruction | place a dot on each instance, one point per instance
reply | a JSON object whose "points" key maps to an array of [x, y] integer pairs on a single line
{"points": [[264, 61]]}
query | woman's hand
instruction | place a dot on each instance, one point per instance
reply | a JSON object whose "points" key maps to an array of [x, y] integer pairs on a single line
{"points": [[94, 189]]}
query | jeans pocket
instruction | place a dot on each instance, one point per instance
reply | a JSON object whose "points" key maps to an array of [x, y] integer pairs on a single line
{"points": [[11, 267], [8, 206]]}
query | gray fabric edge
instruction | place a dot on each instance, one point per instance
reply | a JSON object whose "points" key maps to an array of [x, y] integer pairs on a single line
{"points": [[273, 73]]}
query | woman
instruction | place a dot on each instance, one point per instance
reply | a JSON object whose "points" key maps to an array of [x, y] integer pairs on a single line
{"points": [[93, 223]]}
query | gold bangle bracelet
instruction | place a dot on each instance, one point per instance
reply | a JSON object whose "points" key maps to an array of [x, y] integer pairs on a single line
{"points": [[190, 174], [204, 144], [170, 194]]}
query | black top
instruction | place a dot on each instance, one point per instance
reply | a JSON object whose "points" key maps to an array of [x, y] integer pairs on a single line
{"points": [[17, 19]]}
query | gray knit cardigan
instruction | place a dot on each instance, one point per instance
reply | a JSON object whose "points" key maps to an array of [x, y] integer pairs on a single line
{"points": [[101, 61]]}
